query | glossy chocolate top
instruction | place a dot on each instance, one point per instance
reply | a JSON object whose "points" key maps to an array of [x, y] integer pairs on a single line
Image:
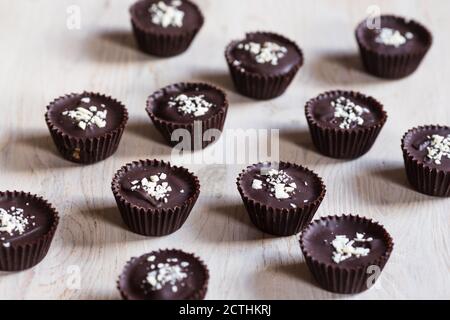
{"points": [[265, 53], [430, 145], [86, 115], [345, 110], [153, 185], [307, 186], [395, 35], [23, 219], [187, 102], [318, 237], [164, 275], [151, 15]]}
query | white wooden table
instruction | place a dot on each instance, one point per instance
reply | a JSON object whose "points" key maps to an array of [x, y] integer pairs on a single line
{"points": [[40, 59]]}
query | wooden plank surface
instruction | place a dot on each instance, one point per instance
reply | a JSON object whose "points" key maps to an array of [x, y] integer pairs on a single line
{"points": [[41, 59]]}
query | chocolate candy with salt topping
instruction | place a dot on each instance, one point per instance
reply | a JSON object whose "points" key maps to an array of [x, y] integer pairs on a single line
{"points": [[426, 153], [164, 275], [87, 127]]}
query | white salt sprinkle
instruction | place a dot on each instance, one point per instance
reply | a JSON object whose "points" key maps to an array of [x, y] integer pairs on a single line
{"points": [[348, 112], [167, 15], [13, 221], [392, 37], [192, 105], [169, 273], [268, 52], [438, 147], [155, 187], [344, 247], [85, 118]]}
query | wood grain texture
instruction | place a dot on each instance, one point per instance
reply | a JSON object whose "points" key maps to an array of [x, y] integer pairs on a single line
{"points": [[41, 59]]}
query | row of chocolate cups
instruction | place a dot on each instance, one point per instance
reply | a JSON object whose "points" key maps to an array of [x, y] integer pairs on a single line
{"points": [[331, 141], [386, 64], [150, 221], [344, 279]]}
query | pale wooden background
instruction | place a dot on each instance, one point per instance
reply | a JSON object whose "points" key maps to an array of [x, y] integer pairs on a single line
{"points": [[41, 59]]}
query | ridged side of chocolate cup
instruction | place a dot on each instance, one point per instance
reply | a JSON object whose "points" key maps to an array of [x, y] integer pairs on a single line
{"points": [[276, 221], [86, 150], [427, 180], [392, 66], [200, 294], [162, 44], [259, 86], [166, 128], [344, 143], [335, 278], [154, 222], [21, 257]]}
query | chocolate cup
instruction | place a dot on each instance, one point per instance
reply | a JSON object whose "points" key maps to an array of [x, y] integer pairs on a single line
{"points": [[25, 256], [166, 127], [344, 143], [198, 295], [162, 44], [153, 222], [335, 278], [392, 66], [276, 221], [86, 150], [426, 180], [261, 86]]}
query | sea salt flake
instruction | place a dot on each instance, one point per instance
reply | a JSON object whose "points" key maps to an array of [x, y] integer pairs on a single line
{"points": [[155, 187], [267, 52], [349, 113], [344, 247], [170, 273], [13, 221], [277, 182], [392, 37], [85, 118], [257, 184], [195, 105], [167, 15], [438, 148]]}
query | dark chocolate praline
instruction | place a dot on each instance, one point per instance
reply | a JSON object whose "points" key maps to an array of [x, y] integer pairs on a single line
{"points": [[246, 59], [419, 40], [309, 186], [154, 197], [141, 16], [344, 124], [86, 127], [39, 221], [417, 141], [169, 112], [165, 28], [323, 113], [280, 198], [351, 274], [27, 226], [426, 153], [317, 238], [115, 114], [183, 185], [263, 64], [159, 106], [183, 276], [394, 48]]}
